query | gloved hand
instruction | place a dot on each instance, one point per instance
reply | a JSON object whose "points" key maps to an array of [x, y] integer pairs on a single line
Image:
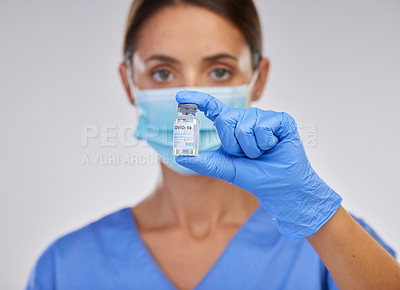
{"points": [[262, 153]]}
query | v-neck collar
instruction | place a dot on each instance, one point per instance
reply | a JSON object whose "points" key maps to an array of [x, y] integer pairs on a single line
{"points": [[156, 266]]}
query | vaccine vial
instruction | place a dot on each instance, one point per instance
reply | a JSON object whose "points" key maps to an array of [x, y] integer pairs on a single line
{"points": [[186, 131]]}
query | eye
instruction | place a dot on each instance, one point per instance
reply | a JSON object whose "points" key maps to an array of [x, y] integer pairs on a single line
{"points": [[220, 74], [163, 75]]}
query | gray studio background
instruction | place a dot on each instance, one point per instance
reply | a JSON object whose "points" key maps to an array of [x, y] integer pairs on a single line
{"points": [[335, 67]]}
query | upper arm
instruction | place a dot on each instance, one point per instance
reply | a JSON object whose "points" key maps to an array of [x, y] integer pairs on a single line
{"points": [[41, 276]]}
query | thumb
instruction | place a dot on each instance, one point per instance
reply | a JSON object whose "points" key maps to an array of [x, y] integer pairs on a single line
{"points": [[217, 164]]}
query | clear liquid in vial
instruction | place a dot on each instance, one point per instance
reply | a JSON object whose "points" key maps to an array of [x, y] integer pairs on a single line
{"points": [[186, 131]]}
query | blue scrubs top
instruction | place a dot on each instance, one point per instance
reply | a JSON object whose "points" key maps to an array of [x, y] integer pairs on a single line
{"points": [[110, 254]]}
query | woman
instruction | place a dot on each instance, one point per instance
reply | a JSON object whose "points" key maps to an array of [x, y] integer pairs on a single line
{"points": [[249, 214]]}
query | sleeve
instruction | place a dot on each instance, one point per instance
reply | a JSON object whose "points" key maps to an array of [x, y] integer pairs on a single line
{"points": [[41, 276], [330, 283]]}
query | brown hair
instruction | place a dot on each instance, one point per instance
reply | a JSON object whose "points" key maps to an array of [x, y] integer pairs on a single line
{"points": [[241, 13]]}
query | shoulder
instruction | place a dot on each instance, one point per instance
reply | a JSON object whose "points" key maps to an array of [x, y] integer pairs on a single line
{"points": [[76, 246], [92, 234]]}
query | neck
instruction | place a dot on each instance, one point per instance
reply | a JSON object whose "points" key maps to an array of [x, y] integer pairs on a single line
{"points": [[196, 203]]}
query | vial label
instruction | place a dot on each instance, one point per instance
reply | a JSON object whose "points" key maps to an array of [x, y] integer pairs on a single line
{"points": [[184, 135]]}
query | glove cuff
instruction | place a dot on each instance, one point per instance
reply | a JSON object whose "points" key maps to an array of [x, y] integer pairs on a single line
{"points": [[315, 211]]}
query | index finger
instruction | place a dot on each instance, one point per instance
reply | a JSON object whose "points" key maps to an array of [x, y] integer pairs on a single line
{"points": [[212, 107]]}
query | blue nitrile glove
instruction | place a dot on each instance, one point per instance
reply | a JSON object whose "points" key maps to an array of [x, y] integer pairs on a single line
{"points": [[262, 153]]}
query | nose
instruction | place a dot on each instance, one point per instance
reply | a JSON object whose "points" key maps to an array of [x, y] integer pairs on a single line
{"points": [[191, 78]]}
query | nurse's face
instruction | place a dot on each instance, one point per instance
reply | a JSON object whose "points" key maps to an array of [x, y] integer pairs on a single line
{"points": [[183, 46]]}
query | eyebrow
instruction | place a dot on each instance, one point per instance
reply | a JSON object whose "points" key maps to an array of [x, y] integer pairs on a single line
{"points": [[162, 57], [211, 58], [219, 56]]}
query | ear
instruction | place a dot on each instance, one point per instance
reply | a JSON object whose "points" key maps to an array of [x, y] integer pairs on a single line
{"points": [[263, 67], [123, 73]]}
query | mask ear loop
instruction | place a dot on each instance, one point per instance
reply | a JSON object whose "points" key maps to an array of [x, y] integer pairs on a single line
{"points": [[128, 62], [132, 88], [251, 86]]}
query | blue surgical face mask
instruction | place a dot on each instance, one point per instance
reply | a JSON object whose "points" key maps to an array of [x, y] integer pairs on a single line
{"points": [[158, 110]]}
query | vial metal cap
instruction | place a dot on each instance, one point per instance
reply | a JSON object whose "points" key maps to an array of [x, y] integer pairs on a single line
{"points": [[187, 108]]}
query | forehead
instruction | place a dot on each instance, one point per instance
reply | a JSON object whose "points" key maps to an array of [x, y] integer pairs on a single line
{"points": [[187, 31]]}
